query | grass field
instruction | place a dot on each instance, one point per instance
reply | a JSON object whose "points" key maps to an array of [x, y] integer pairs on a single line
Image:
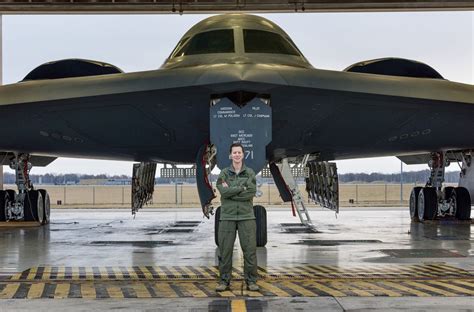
{"points": [[186, 195]]}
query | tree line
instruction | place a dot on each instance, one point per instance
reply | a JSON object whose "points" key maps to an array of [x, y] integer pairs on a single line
{"points": [[419, 177]]}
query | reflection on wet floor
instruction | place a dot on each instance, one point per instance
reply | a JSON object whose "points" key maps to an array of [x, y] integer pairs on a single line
{"points": [[183, 237], [170, 254]]}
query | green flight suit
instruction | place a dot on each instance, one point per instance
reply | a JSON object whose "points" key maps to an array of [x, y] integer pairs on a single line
{"points": [[237, 215]]}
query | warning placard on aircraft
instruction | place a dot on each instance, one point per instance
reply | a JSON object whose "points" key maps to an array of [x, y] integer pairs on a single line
{"points": [[250, 125]]}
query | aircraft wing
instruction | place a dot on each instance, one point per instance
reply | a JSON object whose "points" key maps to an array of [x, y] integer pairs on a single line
{"points": [[164, 114]]}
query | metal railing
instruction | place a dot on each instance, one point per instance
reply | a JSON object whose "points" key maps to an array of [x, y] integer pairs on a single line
{"points": [[180, 194]]}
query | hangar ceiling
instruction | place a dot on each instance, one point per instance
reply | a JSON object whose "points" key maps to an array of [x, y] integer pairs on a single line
{"points": [[219, 6]]}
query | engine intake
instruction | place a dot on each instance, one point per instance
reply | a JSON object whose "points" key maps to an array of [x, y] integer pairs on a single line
{"points": [[71, 68], [395, 67]]}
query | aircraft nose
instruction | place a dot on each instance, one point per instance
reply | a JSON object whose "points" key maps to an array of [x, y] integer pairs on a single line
{"points": [[228, 73]]}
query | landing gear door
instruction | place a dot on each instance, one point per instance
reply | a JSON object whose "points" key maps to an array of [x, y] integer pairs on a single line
{"points": [[250, 125]]}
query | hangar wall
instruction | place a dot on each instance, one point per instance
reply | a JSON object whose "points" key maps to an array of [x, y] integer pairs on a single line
{"points": [[1, 82]]}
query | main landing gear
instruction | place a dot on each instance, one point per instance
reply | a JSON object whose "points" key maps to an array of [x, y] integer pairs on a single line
{"points": [[432, 201], [28, 204]]}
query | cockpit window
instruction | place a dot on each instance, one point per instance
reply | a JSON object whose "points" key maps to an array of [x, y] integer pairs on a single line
{"points": [[215, 41], [259, 41], [179, 46]]}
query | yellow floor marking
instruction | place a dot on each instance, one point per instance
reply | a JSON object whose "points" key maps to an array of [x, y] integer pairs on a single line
{"points": [[32, 273], [115, 292], [450, 269], [332, 292], [277, 291], [345, 286], [160, 272], [227, 293], [146, 272], [214, 269], [164, 290], [141, 290], [89, 274], [9, 291], [62, 291], [437, 269], [432, 289], [452, 287], [192, 289], [316, 271], [46, 273], [103, 273], [236, 273], [320, 269], [250, 293], [188, 272], [75, 273], [371, 286], [424, 270], [16, 276], [300, 271], [61, 273], [407, 289], [118, 274], [35, 291], [444, 267], [203, 272], [465, 283], [132, 273], [333, 271], [299, 289], [175, 272], [238, 306], [88, 291]]}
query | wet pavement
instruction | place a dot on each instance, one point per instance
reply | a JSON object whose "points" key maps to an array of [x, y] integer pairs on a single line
{"points": [[360, 254]]}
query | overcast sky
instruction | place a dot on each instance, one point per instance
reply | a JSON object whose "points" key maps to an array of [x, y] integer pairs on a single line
{"points": [[334, 41]]}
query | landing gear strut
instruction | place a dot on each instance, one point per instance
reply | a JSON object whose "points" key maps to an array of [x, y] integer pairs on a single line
{"points": [[431, 202], [28, 204]]}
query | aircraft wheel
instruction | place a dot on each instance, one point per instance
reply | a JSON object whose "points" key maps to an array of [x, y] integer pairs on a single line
{"points": [[46, 205], [217, 216], [3, 205], [261, 220], [414, 203], [11, 194], [427, 204], [33, 206], [463, 203], [448, 192]]}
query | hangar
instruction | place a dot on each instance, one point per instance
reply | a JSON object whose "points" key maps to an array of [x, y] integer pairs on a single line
{"points": [[283, 288]]}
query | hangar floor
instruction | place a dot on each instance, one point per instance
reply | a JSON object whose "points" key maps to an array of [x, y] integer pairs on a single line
{"points": [[357, 257]]}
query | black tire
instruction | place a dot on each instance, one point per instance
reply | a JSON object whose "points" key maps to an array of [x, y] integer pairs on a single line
{"points": [[463, 203], [448, 192], [261, 220], [427, 204], [11, 194], [414, 203], [3, 205], [46, 206], [217, 216], [33, 206]]}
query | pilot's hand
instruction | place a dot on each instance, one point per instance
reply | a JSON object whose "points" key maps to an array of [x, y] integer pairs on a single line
{"points": [[224, 184]]}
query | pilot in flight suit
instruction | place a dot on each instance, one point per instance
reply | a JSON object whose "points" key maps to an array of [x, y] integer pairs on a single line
{"points": [[237, 186]]}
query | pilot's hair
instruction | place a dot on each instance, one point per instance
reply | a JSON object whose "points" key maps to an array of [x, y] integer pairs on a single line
{"points": [[236, 145]]}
